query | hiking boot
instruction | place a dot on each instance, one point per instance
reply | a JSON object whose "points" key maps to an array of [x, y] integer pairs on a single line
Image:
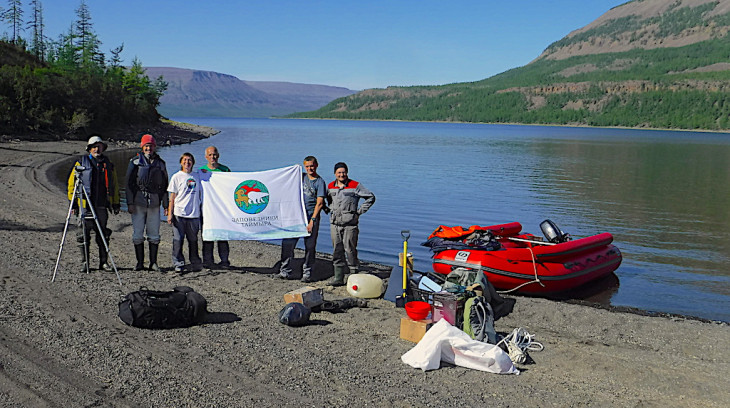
{"points": [[105, 267], [139, 254]]}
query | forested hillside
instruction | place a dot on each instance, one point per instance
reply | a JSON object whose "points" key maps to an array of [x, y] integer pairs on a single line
{"points": [[68, 87], [650, 63]]}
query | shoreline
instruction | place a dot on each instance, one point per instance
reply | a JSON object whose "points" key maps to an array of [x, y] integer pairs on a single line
{"points": [[63, 344], [727, 131], [60, 182], [166, 131]]}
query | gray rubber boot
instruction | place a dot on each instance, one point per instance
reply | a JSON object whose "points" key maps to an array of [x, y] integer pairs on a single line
{"points": [[153, 257], [339, 278], [139, 253], [84, 257]]}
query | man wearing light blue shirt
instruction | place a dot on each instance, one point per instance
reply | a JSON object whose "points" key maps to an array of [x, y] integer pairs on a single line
{"points": [[315, 190]]}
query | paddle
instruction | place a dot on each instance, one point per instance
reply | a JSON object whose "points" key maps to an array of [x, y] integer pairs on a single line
{"points": [[400, 301]]}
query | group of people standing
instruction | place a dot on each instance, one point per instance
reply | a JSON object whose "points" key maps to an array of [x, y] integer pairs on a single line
{"points": [[148, 189]]}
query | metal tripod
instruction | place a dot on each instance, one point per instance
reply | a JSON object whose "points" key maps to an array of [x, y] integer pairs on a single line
{"points": [[80, 194]]}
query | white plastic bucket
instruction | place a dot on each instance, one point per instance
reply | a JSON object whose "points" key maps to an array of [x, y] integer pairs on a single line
{"points": [[363, 285]]}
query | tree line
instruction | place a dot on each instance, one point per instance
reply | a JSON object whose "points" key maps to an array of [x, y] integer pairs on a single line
{"points": [[68, 86], [659, 88]]}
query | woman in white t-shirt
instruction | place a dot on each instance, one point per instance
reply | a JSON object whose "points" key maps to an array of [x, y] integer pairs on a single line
{"points": [[186, 197]]}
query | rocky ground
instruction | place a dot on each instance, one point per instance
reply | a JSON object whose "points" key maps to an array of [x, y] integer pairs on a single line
{"points": [[62, 344]]}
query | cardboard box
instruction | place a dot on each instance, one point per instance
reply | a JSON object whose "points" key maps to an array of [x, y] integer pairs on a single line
{"points": [[413, 330], [410, 260], [308, 296]]}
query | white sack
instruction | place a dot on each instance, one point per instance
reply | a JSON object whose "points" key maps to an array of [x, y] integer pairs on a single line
{"points": [[444, 342]]}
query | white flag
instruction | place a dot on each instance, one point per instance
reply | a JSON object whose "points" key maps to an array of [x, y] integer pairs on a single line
{"points": [[253, 205]]}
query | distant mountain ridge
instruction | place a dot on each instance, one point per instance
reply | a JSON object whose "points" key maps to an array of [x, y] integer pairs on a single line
{"points": [[197, 93], [645, 63]]}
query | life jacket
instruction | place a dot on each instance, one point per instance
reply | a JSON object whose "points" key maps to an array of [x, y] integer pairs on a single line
{"points": [[150, 176], [455, 232], [105, 169]]}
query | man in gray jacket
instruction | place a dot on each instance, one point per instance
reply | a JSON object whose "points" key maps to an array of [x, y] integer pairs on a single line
{"points": [[344, 195]]}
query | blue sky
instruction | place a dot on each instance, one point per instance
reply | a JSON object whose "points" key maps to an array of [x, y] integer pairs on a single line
{"points": [[355, 44]]}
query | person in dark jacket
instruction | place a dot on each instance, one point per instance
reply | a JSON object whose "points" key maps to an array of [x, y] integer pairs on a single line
{"points": [[344, 195], [98, 178], [146, 191]]}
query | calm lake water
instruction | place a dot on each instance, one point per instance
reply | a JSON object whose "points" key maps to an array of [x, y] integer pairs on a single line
{"points": [[665, 196]]}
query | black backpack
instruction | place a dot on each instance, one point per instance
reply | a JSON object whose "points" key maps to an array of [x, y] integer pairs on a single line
{"points": [[151, 309]]}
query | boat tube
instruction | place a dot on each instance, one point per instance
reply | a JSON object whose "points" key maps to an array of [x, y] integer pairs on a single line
{"points": [[522, 262]]}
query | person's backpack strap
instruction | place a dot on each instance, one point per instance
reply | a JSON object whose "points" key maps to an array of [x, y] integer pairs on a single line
{"points": [[479, 320]]}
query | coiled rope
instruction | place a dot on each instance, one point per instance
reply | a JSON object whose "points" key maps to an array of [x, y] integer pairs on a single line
{"points": [[536, 280], [518, 343]]}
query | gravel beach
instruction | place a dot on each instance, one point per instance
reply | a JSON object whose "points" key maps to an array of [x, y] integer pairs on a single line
{"points": [[62, 344]]}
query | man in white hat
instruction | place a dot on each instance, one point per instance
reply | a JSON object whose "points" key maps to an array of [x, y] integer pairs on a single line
{"points": [[98, 179]]}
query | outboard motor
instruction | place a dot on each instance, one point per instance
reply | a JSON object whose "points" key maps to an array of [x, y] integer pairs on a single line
{"points": [[553, 233]]}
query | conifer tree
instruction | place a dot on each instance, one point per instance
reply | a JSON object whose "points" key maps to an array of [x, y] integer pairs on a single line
{"points": [[63, 53], [14, 17], [87, 43], [37, 28]]}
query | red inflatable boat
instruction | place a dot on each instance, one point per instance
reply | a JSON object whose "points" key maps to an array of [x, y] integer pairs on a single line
{"points": [[525, 263]]}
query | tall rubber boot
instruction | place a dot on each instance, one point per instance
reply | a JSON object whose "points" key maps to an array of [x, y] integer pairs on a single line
{"points": [[84, 257], [139, 253], [103, 254], [103, 257], [153, 257], [339, 278]]}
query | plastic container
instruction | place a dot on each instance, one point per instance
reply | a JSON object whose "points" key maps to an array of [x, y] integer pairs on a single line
{"points": [[418, 310], [363, 285], [447, 306]]}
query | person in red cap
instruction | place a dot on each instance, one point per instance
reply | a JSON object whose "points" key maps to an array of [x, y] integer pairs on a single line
{"points": [[146, 191]]}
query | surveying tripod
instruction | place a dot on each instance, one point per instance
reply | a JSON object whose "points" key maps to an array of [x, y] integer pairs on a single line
{"points": [[80, 193]]}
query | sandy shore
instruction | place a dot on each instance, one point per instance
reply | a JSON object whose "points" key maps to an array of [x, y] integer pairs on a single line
{"points": [[62, 344]]}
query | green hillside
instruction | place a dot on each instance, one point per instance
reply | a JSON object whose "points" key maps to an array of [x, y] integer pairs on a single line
{"points": [[615, 72], [57, 99], [67, 87]]}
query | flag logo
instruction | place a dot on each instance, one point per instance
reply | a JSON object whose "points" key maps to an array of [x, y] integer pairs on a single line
{"points": [[251, 196]]}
